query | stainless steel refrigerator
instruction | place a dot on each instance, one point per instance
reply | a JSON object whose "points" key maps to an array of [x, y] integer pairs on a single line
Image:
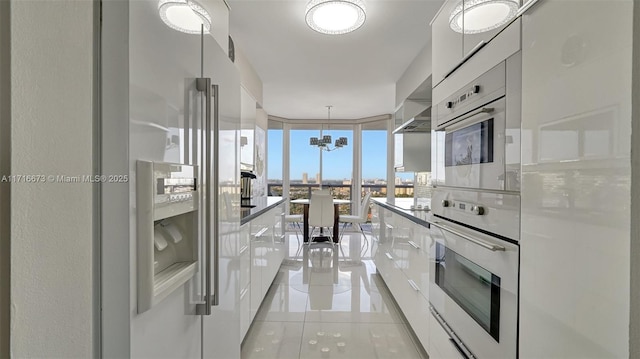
{"points": [[168, 97]]}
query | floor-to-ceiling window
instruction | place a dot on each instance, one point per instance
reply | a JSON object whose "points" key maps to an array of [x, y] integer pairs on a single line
{"points": [[374, 159], [304, 165], [337, 168]]}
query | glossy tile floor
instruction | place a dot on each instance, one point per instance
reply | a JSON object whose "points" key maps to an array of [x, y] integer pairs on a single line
{"points": [[328, 302]]}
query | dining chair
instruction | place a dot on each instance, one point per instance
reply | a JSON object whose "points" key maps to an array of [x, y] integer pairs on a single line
{"points": [[357, 219], [296, 219], [321, 213]]}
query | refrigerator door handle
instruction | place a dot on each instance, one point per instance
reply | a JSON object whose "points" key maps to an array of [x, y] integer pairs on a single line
{"points": [[215, 198], [211, 197]]}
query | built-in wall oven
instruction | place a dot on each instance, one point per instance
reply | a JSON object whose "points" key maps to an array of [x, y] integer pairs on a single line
{"points": [[476, 214]]}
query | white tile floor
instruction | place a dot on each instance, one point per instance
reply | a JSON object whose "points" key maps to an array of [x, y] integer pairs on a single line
{"points": [[327, 302]]}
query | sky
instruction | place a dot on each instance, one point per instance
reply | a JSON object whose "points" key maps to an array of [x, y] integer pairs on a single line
{"points": [[337, 165]]}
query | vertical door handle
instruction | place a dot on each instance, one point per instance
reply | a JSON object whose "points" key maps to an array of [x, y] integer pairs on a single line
{"points": [[211, 230], [215, 184]]}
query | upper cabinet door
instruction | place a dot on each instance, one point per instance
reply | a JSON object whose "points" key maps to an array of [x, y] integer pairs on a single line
{"points": [[446, 45], [484, 21], [462, 27]]}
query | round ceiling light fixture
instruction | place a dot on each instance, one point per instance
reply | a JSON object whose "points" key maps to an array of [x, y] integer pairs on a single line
{"points": [[184, 15], [476, 16], [335, 17]]}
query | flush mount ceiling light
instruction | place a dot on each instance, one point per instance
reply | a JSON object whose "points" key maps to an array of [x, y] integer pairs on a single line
{"points": [[476, 16], [184, 15], [335, 17]]}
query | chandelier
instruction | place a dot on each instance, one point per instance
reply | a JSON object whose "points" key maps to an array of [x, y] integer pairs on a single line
{"points": [[324, 142], [335, 17]]}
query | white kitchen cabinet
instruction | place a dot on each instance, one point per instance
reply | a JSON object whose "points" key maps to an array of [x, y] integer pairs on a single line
{"points": [[449, 46], [402, 259], [266, 250], [576, 175], [245, 279]]}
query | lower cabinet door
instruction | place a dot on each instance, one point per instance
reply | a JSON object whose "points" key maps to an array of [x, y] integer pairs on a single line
{"points": [[414, 306], [245, 310]]}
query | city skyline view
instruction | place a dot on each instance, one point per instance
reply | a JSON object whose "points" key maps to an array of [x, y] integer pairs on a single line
{"points": [[337, 165]]}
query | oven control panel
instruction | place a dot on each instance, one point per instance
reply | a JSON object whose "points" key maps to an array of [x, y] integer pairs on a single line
{"points": [[471, 208], [463, 97]]}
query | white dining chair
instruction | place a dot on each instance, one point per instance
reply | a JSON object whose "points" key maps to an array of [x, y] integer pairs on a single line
{"points": [[357, 219], [321, 213], [295, 219]]}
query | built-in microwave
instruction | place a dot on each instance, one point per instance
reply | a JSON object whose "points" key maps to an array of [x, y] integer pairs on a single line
{"points": [[478, 135]]}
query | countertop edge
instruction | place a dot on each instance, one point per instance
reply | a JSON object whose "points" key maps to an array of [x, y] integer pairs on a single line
{"points": [[404, 213], [261, 211]]}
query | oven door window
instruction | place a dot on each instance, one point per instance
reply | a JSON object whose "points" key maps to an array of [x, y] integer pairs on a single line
{"points": [[473, 288], [470, 145]]}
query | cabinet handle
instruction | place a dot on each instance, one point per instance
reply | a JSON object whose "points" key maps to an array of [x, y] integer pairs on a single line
{"points": [[389, 255], [526, 7], [413, 285], [243, 293], [413, 244], [243, 249], [473, 51], [261, 232]]}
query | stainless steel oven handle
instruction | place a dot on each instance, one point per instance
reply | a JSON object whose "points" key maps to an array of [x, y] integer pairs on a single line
{"points": [[473, 114], [453, 337], [480, 242], [455, 345]]}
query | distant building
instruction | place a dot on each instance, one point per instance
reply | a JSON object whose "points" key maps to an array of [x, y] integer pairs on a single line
{"points": [[305, 178], [346, 182], [317, 177]]}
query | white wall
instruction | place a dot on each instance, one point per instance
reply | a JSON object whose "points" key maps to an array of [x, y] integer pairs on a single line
{"points": [[248, 76], [51, 223], [5, 168], [418, 71]]}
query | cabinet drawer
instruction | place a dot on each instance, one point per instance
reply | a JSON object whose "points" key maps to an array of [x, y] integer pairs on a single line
{"points": [[415, 308]]}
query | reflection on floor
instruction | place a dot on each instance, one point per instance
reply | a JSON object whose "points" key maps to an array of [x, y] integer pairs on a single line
{"points": [[327, 302]]}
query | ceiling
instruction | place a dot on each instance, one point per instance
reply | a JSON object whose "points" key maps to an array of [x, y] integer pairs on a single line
{"points": [[304, 71]]}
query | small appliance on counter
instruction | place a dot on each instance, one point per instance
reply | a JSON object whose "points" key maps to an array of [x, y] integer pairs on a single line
{"points": [[245, 189]]}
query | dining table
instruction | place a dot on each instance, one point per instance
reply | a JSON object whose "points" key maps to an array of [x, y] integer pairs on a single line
{"points": [[305, 217]]}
